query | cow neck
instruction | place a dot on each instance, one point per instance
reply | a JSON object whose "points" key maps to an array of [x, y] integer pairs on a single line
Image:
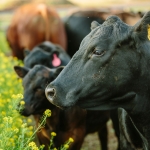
{"points": [[126, 127], [143, 137], [140, 117]]}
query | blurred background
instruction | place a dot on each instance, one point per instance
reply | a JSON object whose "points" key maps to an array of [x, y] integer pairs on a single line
{"points": [[65, 7]]}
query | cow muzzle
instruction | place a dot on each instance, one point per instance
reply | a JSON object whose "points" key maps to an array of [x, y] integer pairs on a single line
{"points": [[50, 93]]}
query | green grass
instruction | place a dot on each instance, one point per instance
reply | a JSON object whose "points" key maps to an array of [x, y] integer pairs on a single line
{"points": [[4, 47]]}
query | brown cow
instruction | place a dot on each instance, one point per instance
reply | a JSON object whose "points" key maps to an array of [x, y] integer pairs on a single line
{"points": [[33, 24]]}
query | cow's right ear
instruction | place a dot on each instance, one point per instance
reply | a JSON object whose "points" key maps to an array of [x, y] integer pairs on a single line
{"points": [[21, 71], [58, 70], [142, 27], [26, 52], [94, 24]]}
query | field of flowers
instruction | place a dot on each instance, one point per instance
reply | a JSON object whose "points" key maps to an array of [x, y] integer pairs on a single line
{"points": [[16, 132]]}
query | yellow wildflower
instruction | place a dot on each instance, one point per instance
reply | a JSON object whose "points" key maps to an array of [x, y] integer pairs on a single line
{"points": [[66, 146], [9, 106], [24, 125], [53, 134], [30, 133], [3, 113], [16, 130], [31, 144], [71, 140], [5, 119], [22, 102], [47, 112], [10, 120], [11, 140], [29, 120], [30, 127]]}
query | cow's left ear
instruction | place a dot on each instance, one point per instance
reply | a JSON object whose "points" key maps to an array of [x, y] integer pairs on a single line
{"points": [[58, 70], [26, 52], [142, 28], [94, 24], [21, 71]]}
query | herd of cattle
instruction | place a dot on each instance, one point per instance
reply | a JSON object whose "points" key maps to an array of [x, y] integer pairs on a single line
{"points": [[106, 73]]}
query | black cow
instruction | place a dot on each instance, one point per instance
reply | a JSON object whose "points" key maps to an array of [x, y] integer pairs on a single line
{"points": [[43, 53], [48, 54], [74, 122], [77, 26], [111, 70]]}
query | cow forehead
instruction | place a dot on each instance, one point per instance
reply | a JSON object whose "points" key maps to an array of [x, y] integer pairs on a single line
{"points": [[34, 73], [113, 26]]}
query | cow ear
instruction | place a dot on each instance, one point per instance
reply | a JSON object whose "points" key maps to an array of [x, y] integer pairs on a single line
{"points": [[21, 71], [58, 70], [26, 52], [142, 28], [94, 24]]}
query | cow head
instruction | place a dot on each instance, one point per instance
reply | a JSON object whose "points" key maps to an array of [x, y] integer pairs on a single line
{"points": [[48, 54], [108, 69], [34, 83]]}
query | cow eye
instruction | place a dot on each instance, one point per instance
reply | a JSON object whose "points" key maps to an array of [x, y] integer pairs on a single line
{"points": [[99, 53]]}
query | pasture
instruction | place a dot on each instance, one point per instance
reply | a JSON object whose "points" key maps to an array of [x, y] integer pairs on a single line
{"points": [[11, 91]]}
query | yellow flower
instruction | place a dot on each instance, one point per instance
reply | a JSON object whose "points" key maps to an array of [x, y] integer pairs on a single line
{"points": [[31, 144], [66, 146], [30, 127], [16, 130], [29, 133], [47, 112], [20, 96], [71, 140], [22, 102], [53, 134], [5, 119], [55, 149], [10, 120], [29, 120], [11, 140], [3, 113], [23, 125]]}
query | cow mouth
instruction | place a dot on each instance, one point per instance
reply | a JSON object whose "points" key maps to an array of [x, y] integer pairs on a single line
{"points": [[31, 109]]}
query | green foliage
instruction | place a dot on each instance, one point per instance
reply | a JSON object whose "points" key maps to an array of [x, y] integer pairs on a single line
{"points": [[15, 132], [4, 47]]}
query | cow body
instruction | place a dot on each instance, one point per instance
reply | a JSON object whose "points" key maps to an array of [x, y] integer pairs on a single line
{"points": [[110, 70], [77, 26], [33, 24], [74, 122]]}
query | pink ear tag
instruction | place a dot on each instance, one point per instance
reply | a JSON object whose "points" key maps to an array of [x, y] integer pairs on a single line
{"points": [[56, 61]]}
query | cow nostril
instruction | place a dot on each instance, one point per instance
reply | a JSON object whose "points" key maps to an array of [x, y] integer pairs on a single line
{"points": [[50, 93]]}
